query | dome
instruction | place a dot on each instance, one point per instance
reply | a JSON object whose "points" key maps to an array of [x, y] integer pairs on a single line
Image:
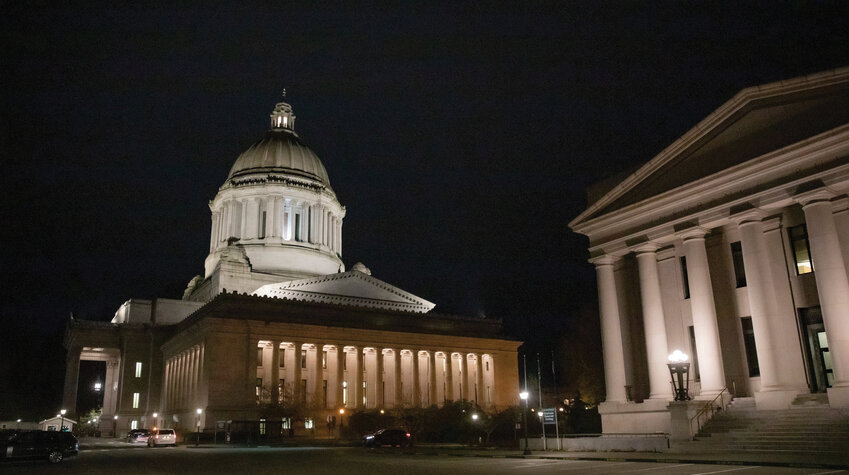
{"points": [[280, 151]]}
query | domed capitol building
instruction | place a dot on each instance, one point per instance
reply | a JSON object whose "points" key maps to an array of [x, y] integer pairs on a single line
{"points": [[276, 330]]}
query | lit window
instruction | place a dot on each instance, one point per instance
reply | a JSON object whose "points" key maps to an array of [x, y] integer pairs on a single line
{"points": [[308, 423], [134, 424], [365, 393], [344, 393], [138, 369], [739, 267], [801, 249], [285, 121], [287, 422], [324, 360], [279, 120], [258, 387], [262, 427], [135, 400]]}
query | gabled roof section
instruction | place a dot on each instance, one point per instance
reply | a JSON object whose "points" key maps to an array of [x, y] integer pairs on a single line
{"points": [[352, 288], [756, 121]]}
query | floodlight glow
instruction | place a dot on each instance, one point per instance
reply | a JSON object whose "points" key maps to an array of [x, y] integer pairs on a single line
{"points": [[62, 412], [341, 411], [678, 356], [155, 414], [474, 417], [199, 411], [523, 395]]}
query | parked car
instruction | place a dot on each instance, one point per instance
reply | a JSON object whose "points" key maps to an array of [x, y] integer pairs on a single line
{"points": [[138, 436], [162, 437], [38, 444], [393, 437]]}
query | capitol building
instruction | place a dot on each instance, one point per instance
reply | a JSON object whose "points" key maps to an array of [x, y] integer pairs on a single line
{"points": [[277, 328]]}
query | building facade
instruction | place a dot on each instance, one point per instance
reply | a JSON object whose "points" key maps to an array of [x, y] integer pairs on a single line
{"points": [[276, 329], [731, 245]]}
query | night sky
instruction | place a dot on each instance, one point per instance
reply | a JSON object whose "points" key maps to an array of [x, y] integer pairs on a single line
{"points": [[460, 137]]}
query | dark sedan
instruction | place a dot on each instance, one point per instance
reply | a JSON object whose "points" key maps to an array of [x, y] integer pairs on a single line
{"points": [[50, 445], [393, 437]]}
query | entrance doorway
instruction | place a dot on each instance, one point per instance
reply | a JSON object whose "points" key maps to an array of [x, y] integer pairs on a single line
{"points": [[816, 349]]}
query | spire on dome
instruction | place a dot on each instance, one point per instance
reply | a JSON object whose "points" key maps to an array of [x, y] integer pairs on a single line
{"points": [[282, 117]]}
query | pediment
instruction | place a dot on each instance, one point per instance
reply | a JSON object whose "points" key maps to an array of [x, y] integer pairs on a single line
{"points": [[347, 288], [755, 122]]}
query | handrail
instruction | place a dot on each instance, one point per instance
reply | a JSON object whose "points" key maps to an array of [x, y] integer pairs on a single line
{"points": [[710, 406]]}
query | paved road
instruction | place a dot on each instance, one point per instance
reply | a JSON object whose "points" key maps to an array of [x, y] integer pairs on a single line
{"points": [[337, 461]]}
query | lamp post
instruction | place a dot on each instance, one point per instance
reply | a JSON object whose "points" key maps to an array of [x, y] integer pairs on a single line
{"points": [[62, 424], [679, 370], [19, 423], [524, 396], [197, 439]]}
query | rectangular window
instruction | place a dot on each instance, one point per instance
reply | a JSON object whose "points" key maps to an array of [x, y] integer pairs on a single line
{"points": [[262, 427], [324, 359], [365, 393], [487, 365], [694, 356], [134, 424], [282, 358], [287, 423], [303, 359], [259, 356], [138, 369], [258, 387], [751, 349], [261, 230], [324, 393], [685, 277], [308, 423], [801, 249], [345, 362], [297, 227], [135, 400], [739, 267], [344, 393]]}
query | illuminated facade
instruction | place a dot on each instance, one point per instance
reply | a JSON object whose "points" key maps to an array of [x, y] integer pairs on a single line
{"points": [[732, 245], [276, 325]]}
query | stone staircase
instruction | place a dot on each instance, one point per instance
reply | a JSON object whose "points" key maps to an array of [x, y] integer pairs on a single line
{"points": [[809, 427]]}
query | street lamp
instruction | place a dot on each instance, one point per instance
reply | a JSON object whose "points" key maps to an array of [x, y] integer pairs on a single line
{"points": [[679, 369], [474, 417], [62, 424], [524, 397], [197, 440]]}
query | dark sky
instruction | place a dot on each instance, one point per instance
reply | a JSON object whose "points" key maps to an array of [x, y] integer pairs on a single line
{"points": [[460, 137]]}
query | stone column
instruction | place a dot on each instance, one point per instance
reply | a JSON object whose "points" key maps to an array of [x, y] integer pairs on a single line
{"points": [[480, 396], [417, 380], [704, 313], [832, 287], [759, 284], [275, 372], [164, 404], [654, 323], [449, 376], [318, 377], [213, 238], [380, 397], [611, 333], [399, 391], [840, 208], [340, 374], [297, 375], [72, 376], [358, 379], [431, 377]]}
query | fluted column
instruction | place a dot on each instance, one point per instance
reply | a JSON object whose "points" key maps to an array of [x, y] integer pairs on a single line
{"points": [[358, 380], [832, 287], [399, 390], [380, 397], [340, 374], [297, 375], [417, 380], [318, 377], [611, 330], [654, 324], [703, 307], [448, 376], [464, 376], [431, 377], [840, 208], [275, 372], [480, 397]]}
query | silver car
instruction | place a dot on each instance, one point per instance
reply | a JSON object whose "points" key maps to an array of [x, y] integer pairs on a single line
{"points": [[162, 437]]}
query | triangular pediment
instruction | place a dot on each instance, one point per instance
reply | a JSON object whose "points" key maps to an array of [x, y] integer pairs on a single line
{"points": [[757, 121], [347, 288]]}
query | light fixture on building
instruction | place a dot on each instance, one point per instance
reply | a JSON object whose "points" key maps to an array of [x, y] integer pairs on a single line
{"points": [[62, 424], [474, 417], [98, 386], [679, 369]]}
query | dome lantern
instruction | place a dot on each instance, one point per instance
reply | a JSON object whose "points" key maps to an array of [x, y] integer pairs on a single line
{"points": [[282, 117]]}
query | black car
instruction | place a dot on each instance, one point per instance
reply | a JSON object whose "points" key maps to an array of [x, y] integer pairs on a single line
{"points": [[138, 436], [393, 437], [38, 444]]}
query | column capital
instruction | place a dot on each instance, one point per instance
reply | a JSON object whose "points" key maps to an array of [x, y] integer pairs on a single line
{"points": [[772, 223], [695, 232], [646, 248], [840, 205], [604, 260], [819, 195], [749, 216], [666, 253]]}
